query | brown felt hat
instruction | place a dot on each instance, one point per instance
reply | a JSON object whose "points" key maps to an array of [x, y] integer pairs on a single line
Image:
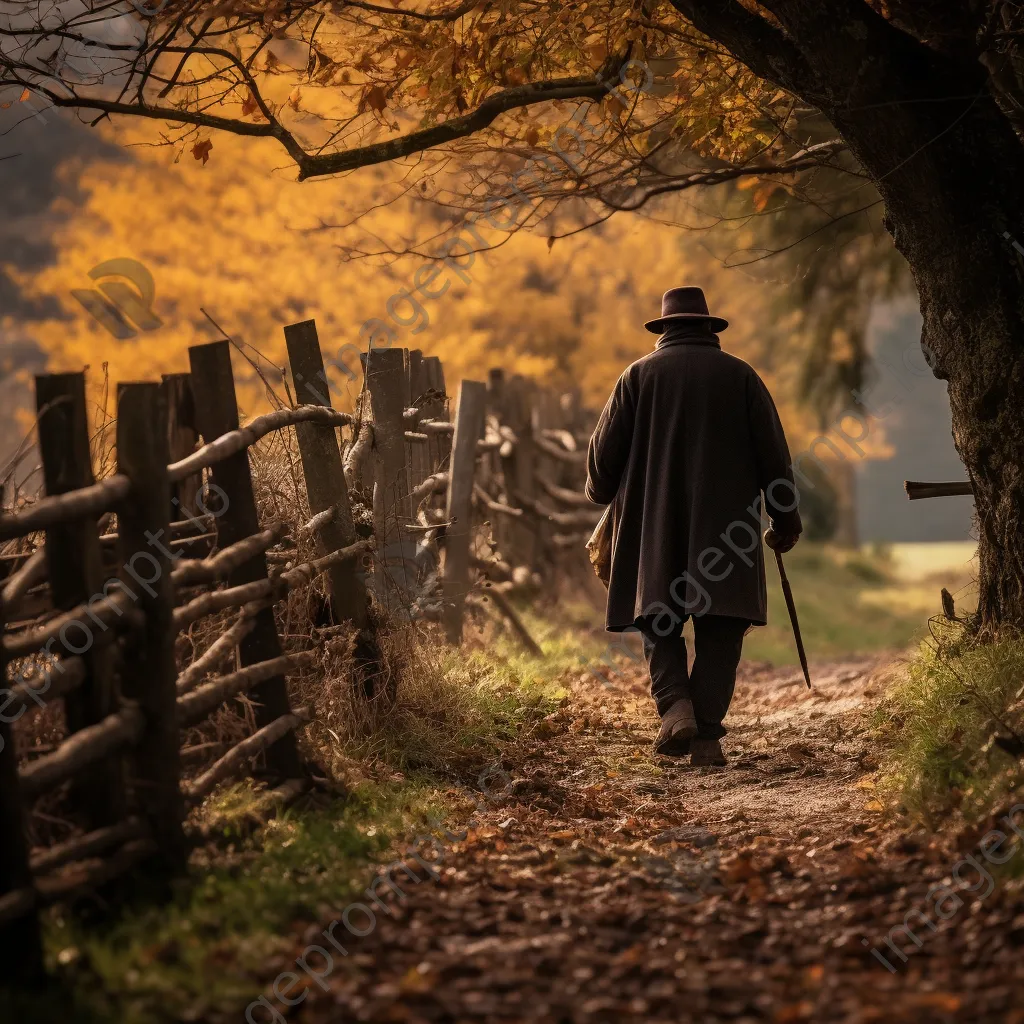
{"points": [[682, 304]]}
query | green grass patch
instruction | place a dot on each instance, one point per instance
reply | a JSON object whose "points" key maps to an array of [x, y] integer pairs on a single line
{"points": [[453, 713], [849, 602], [940, 723], [204, 953]]}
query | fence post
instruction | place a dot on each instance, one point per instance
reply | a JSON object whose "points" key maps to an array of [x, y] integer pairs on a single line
{"points": [[545, 412], [182, 437], [419, 455], [324, 473], [417, 375], [213, 385], [75, 568], [519, 468], [143, 529], [435, 381], [469, 421], [386, 383], [501, 527], [432, 378], [21, 950]]}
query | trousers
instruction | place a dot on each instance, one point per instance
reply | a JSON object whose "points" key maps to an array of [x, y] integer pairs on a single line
{"points": [[718, 644]]}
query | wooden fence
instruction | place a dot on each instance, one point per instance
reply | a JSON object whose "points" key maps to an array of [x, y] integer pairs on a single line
{"points": [[99, 578]]}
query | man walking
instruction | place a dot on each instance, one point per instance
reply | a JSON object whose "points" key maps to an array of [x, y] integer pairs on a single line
{"points": [[688, 441]]}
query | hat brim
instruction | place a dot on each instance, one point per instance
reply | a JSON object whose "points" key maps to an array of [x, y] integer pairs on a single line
{"points": [[716, 323]]}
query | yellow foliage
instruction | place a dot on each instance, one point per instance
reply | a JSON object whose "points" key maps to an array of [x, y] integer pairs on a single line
{"points": [[239, 238]]}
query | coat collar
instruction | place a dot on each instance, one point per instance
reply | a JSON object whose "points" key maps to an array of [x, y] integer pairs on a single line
{"points": [[684, 337]]}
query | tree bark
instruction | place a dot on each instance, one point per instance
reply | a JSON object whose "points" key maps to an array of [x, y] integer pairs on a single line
{"points": [[948, 166], [949, 172]]}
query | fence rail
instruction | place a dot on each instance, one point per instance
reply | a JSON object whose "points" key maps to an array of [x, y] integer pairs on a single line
{"points": [[462, 511]]}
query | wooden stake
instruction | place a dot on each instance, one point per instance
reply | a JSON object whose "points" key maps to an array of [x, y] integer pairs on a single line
{"points": [[419, 455], [520, 467], [75, 568], [502, 528], [234, 505], [324, 473], [386, 383], [392, 506], [149, 679], [469, 422], [182, 436], [438, 447], [21, 949]]}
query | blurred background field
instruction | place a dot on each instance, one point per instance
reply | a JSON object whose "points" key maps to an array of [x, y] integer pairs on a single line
{"points": [[850, 601], [878, 597]]}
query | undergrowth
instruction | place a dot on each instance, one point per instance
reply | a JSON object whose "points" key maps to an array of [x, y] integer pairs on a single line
{"points": [[954, 728], [202, 955], [848, 602], [451, 714], [392, 764]]}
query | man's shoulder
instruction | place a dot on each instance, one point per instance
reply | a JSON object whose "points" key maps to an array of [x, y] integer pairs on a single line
{"points": [[667, 355]]}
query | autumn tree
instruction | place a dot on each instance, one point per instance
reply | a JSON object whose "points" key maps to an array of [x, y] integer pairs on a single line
{"points": [[918, 104]]}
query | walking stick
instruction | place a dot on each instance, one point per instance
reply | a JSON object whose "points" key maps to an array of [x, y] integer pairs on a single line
{"points": [[787, 591]]}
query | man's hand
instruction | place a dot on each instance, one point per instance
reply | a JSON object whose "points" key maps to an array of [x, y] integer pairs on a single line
{"points": [[780, 542]]}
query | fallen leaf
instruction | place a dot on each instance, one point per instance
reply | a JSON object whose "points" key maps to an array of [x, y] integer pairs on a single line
{"points": [[740, 868], [374, 99], [944, 1001], [756, 889], [418, 979], [794, 1012], [633, 954]]}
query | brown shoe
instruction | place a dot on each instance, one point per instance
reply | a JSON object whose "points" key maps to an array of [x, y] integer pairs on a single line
{"points": [[678, 727], [704, 753]]}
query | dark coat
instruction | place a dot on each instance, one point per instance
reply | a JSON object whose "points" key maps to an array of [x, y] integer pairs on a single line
{"points": [[687, 442]]}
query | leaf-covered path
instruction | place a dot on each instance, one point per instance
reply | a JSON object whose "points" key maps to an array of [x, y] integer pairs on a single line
{"points": [[609, 885]]}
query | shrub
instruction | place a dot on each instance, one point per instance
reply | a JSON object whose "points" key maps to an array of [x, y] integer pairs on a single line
{"points": [[955, 726]]}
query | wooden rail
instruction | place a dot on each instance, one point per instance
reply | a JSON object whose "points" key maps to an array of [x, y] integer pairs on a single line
{"points": [[173, 536], [916, 489]]}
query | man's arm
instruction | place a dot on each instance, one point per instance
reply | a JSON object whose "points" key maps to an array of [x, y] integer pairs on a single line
{"points": [[609, 447], [774, 465]]}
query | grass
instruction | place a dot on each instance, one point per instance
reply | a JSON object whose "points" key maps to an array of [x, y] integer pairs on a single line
{"points": [[848, 602], [454, 710], [246, 901], [940, 723], [204, 953]]}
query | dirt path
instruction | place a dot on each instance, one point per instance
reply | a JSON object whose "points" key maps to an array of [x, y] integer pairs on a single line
{"points": [[609, 885]]}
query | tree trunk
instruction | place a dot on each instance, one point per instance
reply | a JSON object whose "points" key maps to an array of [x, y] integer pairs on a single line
{"points": [[950, 202], [949, 168]]}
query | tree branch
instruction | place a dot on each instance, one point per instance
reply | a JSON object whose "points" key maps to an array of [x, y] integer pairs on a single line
{"points": [[764, 49], [452, 15], [457, 127]]}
